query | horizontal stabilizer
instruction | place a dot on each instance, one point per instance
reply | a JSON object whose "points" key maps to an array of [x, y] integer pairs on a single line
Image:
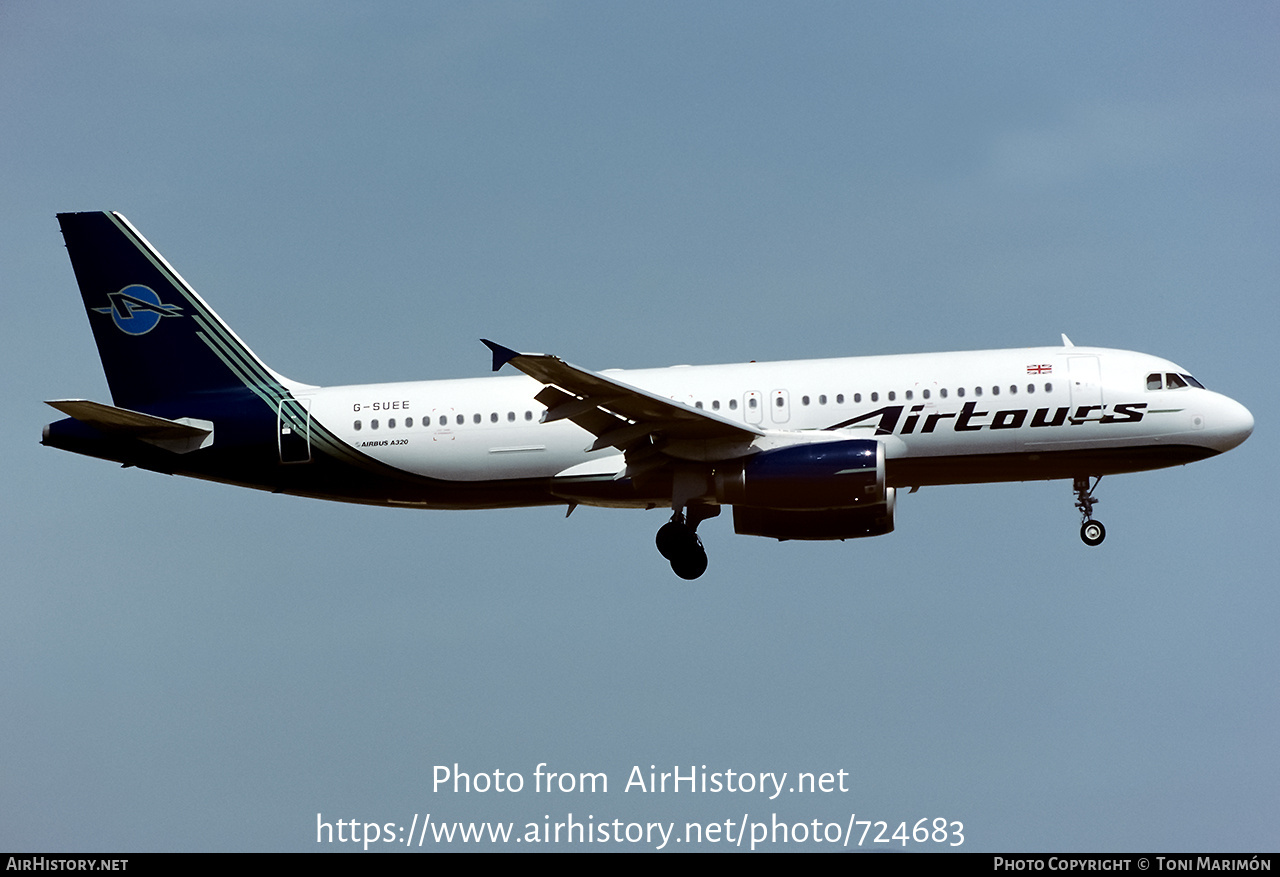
{"points": [[180, 436]]}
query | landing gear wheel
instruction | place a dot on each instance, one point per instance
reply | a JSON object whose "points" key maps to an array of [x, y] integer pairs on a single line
{"points": [[1092, 532], [692, 562], [679, 543], [671, 537]]}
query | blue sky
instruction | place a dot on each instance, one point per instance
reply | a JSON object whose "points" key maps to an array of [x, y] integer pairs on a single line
{"points": [[364, 191]]}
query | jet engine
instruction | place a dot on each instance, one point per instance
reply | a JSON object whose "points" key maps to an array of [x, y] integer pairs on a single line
{"points": [[783, 524], [829, 490], [827, 475]]}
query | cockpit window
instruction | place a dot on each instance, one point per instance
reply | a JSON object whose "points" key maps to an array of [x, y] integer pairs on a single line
{"points": [[1171, 381]]}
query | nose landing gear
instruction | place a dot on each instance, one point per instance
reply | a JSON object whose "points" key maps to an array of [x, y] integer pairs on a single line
{"points": [[1091, 532]]}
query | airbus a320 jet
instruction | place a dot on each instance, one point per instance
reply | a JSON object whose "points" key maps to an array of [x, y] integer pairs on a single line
{"points": [[806, 449]]}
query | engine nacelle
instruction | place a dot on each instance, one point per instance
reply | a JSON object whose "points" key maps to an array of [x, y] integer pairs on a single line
{"points": [[827, 475], [782, 524]]}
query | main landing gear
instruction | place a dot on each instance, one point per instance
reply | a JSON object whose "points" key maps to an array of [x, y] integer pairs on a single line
{"points": [[678, 541], [1091, 532]]}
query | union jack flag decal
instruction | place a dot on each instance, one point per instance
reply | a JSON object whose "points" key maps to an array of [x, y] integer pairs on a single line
{"points": [[1040, 369]]}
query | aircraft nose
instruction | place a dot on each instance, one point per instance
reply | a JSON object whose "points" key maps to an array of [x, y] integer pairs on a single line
{"points": [[1234, 424]]}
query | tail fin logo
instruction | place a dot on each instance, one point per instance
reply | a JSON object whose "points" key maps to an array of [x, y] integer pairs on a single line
{"points": [[136, 309]]}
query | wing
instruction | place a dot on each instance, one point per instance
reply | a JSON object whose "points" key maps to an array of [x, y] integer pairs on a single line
{"points": [[626, 417]]}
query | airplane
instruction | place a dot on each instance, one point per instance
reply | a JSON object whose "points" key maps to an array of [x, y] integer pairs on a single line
{"points": [[806, 449]]}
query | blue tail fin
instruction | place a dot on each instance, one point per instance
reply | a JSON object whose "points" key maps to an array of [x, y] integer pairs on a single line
{"points": [[163, 349]]}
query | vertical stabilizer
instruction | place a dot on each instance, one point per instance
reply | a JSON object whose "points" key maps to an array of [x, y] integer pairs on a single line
{"points": [[163, 349]]}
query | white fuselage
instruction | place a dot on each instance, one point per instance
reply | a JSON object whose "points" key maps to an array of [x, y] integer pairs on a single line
{"points": [[1028, 401]]}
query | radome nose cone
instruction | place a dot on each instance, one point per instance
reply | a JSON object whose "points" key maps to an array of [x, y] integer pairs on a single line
{"points": [[1237, 424]]}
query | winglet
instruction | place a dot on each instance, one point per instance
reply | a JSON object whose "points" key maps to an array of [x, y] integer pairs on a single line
{"points": [[501, 355], [1066, 342]]}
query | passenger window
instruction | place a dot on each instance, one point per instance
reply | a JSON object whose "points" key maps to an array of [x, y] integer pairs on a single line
{"points": [[977, 391], [995, 391], [461, 420], [1048, 388], [733, 404], [960, 392], [373, 424], [804, 400], [751, 403], [357, 426], [892, 395], [511, 417], [391, 424], [840, 398], [908, 395], [943, 392], [493, 418], [822, 400], [857, 397], [875, 397], [780, 402], [408, 423], [697, 404], [1153, 382], [925, 394], [1031, 388], [528, 415], [1013, 389], [715, 404]]}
